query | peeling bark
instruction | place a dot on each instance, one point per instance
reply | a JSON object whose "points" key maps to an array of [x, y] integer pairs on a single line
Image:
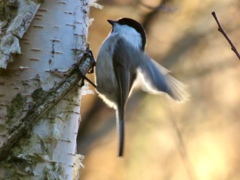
{"points": [[39, 115], [14, 28]]}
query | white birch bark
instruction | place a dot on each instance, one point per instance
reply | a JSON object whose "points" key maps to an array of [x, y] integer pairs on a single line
{"points": [[52, 44]]}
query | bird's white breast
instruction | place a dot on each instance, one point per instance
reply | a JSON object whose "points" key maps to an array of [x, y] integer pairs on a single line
{"points": [[105, 76]]}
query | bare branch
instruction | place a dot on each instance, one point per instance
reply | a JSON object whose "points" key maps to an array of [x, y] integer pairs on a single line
{"points": [[225, 35]]}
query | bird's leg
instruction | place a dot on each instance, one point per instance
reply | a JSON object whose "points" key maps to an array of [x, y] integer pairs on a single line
{"points": [[84, 77], [93, 61], [91, 70]]}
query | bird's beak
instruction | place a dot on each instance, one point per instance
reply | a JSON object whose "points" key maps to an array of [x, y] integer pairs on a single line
{"points": [[112, 22]]}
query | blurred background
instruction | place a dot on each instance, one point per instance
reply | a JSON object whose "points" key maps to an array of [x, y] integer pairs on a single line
{"points": [[198, 139]]}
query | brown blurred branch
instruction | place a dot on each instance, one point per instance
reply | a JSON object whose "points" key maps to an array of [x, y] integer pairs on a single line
{"points": [[161, 7], [225, 35], [147, 6], [165, 5], [182, 147]]}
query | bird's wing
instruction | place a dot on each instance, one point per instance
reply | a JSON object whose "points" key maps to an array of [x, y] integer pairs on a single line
{"points": [[157, 79]]}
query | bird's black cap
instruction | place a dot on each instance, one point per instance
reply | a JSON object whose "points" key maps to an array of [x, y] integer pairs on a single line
{"points": [[134, 24]]}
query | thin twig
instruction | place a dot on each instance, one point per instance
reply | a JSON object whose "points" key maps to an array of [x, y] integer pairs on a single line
{"points": [[225, 35]]}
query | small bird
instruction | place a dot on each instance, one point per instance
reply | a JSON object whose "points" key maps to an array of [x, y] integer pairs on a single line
{"points": [[120, 61]]}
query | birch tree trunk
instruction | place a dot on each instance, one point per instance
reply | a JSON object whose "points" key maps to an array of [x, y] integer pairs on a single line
{"points": [[53, 42]]}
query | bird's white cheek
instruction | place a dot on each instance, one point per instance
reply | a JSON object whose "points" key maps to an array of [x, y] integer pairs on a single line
{"points": [[134, 40]]}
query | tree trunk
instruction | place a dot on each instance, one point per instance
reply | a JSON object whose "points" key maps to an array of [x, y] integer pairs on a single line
{"points": [[54, 41]]}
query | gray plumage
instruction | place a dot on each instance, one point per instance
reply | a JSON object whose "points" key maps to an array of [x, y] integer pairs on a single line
{"points": [[121, 60]]}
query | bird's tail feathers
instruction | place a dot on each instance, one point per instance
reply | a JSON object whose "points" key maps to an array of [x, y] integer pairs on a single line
{"points": [[120, 127]]}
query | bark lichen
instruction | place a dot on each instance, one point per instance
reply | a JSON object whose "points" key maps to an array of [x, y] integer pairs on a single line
{"points": [[15, 109]]}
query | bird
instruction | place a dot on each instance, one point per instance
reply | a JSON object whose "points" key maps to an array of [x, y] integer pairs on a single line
{"points": [[121, 62]]}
